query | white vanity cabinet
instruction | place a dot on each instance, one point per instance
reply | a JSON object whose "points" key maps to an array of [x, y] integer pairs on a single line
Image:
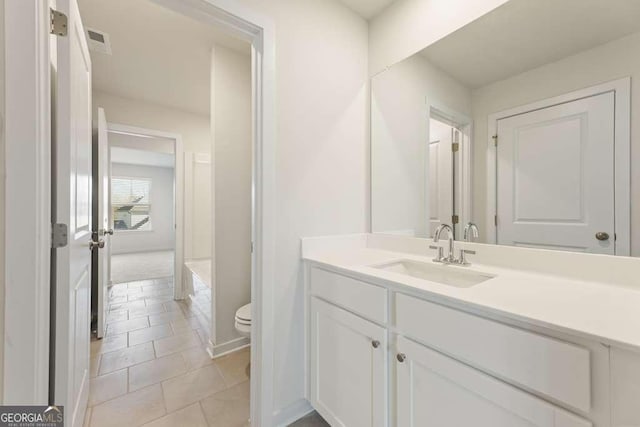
{"points": [[436, 390], [380, 355], [348, 367]]}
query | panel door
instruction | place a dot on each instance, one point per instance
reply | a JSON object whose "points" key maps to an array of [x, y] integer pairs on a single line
{"points": [[440, 175], [348, 367], [436, 391], [72, 201], [105, 224], [555, 169]]}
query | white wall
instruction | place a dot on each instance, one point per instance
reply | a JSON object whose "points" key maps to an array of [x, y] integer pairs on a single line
{"points": [[231, 109], [193, 128], [400, 103], [601, 64], [408, 26], [322, 146], [161, 236], [2, 184]]}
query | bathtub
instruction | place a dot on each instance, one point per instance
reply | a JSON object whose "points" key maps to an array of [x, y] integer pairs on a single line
{"points": [[197, 284]]}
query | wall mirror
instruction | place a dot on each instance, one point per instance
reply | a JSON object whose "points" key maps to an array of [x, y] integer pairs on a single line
{"points": [[521, 122]]}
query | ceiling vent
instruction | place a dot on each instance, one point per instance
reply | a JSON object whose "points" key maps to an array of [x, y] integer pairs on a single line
{"points": [[98, 41]]}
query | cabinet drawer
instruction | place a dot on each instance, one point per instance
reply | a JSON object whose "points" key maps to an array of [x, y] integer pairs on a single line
{"points": [[557, 369], [367, 300]]}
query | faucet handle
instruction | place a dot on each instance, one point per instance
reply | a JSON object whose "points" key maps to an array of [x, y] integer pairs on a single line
{"points": [[434, 247]]}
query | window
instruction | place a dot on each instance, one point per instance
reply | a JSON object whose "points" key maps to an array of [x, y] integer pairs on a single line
{"points": [[130, 204]]}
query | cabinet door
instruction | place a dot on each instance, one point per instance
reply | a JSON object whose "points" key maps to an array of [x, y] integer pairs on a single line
{"points": [[436, 391], [348, 367]]}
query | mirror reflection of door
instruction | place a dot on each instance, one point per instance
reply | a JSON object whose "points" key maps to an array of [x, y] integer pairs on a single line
{"points": [[555, 169], [440, 170]]}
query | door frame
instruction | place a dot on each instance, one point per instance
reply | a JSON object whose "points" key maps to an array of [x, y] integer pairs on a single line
{"points": [[463, 182], [27, 204], [622, 155], [29, 120], [178, 194]]}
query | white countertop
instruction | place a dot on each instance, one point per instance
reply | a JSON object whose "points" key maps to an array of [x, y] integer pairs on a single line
{"points": [[609, 314]]}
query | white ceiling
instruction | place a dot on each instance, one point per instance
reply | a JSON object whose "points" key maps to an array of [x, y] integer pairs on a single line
{"points": [[367, 8], [524, 34], [158, 55]]}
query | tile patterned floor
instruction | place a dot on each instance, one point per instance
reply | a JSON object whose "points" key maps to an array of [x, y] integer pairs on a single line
{"points": [[151, 368]]}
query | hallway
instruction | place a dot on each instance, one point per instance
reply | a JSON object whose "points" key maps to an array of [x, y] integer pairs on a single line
{"points": [[152, 368]]}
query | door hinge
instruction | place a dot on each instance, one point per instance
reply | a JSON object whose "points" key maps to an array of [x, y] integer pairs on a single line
{"points": [[455, 219], [495, 140], [495, 220], [59, 23], [59, 235], [455, 147]]}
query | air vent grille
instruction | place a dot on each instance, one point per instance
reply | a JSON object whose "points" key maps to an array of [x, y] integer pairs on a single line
{"points": [[98, 41]]}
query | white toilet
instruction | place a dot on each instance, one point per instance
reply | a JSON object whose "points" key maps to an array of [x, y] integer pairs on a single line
{"points": [[243, 320]]}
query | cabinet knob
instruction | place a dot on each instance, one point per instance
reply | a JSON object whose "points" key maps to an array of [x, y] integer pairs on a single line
{"points": [[602, 236], [401, 357], [375, 343]]}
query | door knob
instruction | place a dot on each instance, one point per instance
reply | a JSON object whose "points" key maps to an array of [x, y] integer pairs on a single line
{"points": [[601, 235], [96, 245], [109, 232]]}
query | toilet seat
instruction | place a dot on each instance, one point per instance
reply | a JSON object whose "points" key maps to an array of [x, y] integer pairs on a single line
{"points": [[243, 315], [243, 320]]}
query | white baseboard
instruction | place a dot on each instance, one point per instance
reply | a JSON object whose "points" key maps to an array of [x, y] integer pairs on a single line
{"points": [[285, 416], [227, 347]]}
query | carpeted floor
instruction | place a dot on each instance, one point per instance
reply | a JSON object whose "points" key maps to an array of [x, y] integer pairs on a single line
{"points": [[141, 266]]}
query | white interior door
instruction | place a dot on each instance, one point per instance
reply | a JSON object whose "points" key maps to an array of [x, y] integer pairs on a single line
{"points": [[555, 169], [73, 207], [104, 221], [440, 175]]}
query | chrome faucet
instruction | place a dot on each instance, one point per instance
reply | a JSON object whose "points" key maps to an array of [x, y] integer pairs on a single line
{"points": [[470, 233], [450, 259]]}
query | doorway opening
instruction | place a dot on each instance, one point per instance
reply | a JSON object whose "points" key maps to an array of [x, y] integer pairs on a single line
{"points": [[177, 308], [449, 185]]}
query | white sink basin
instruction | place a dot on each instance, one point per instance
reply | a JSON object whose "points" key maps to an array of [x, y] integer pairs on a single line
{"points": [[445, 274]]}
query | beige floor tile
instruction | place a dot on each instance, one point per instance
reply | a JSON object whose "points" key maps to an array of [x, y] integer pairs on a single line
{"points": [[130, 410], [158, 299], [118, 299], [107, 387], [146, 311], [192, 386], [234, 366], [156, 371], [191, 416], [126, 305], [174, 305], [109, 343], [117, 316], [228, 408], [203, 336], [149, 334], [176, 343], [196, 357], [126, 357], [159, 319], [94, 364], [185, 324], [134, 285], [127, 325]]}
